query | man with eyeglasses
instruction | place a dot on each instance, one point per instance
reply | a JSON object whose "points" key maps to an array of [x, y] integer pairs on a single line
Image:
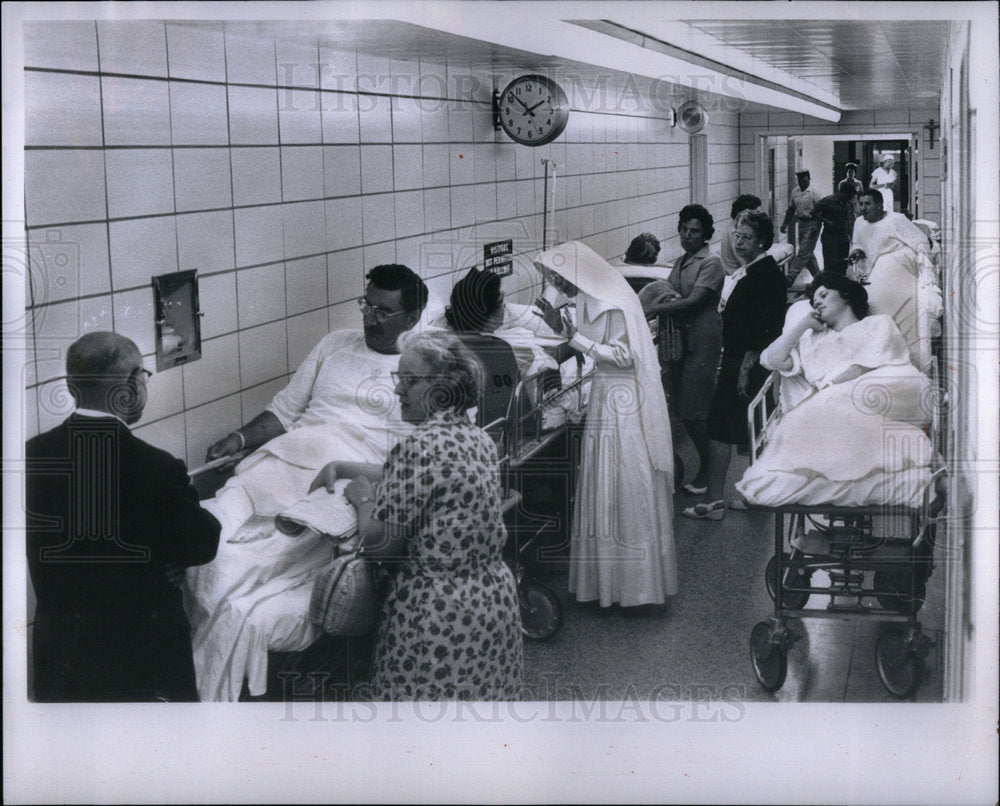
{"points": [[339, 405], [110, 521]]}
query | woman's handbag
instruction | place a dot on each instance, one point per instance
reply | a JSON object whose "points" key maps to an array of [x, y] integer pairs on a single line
{"points": [[671, 340], [346, 597]]}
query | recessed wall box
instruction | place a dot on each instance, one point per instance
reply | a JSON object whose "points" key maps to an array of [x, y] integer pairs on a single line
{"points": [[178, 319]]}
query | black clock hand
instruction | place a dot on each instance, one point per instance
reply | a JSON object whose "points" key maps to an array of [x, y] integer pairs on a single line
{"points": [[524, 106], [531, 109]]}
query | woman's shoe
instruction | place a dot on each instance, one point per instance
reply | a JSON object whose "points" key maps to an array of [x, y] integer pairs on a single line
{"points": [[713, 511], [690, 489]]}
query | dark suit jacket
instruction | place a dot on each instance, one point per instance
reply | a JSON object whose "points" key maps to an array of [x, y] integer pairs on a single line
{"points": [[106, 513]]}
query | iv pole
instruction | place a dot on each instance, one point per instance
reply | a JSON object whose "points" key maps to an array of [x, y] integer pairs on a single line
{"points": [[545, 203]]}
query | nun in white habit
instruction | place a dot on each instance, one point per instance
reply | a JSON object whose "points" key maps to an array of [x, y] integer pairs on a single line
{"points": [[622, 544]]}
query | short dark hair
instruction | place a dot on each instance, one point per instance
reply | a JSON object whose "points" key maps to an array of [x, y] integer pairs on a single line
{"points": [[397, 277], [875, 193], [700, 214], [852, 291], [847, 190], [745, 202], [762, 226], [474, 299], [644, 249], [458, 372]]}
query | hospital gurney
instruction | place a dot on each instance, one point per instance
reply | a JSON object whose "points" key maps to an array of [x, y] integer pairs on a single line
{"points": [[542, 408], [877, 559]]}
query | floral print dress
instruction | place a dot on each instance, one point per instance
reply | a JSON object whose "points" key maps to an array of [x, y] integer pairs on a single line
{"points": [[450, 626]]}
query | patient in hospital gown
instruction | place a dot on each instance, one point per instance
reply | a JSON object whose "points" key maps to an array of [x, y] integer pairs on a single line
{"points": [[255, 596], [856, 438]]}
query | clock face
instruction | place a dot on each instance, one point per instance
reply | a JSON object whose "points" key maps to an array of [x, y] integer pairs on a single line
{"points": [[533, 110]]}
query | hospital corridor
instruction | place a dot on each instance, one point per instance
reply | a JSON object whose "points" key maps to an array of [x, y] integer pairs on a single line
{"points": [[611, 360]]}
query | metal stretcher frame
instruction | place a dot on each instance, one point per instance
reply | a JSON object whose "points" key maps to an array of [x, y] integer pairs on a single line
{"points": [[897, 564], [520, 437]]}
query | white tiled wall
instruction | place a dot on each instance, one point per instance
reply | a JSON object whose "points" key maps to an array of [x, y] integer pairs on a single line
{"points": [[157, 147]]}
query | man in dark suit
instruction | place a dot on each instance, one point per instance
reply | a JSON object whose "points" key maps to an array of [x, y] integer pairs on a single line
{"points": [[111, 521]]}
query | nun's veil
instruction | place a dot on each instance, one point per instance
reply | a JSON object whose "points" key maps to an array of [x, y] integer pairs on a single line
{"points": [[607, 289]]}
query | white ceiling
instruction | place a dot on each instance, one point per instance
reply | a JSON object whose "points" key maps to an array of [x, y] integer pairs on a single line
{"points": [[816, 66], [863, 64]]}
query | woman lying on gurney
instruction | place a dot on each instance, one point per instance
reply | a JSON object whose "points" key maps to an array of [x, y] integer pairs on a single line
{"points": [[851, 431]]}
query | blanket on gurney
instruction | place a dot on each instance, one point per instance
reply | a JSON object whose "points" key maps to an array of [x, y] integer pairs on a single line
{"points": [[254, 597], [854, 443]]}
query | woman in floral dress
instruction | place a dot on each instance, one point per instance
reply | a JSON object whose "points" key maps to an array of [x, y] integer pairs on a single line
{"points": [[450, 626]]}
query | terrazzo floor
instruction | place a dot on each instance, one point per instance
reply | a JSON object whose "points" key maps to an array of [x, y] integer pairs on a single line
{"points": [[696, 647]]}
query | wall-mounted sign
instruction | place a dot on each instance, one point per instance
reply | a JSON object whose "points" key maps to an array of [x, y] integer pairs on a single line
{"points": [[498, 257]]}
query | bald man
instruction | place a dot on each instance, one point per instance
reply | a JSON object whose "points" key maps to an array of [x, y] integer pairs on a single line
{"points": [[110, 521]]}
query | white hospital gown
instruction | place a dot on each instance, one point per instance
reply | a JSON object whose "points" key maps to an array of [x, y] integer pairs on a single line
{"points": [[254, 596], [903, 282], [854, 443]]}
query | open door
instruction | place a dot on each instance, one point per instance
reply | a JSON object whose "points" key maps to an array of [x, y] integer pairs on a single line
{"points": [[873, 152]]}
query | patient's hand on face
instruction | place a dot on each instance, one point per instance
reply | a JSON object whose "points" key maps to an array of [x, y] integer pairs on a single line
{"points": [[812, 321]]}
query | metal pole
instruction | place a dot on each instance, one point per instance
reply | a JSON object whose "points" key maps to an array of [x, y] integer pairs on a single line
{"points": [[545, 207], [545, 203]]}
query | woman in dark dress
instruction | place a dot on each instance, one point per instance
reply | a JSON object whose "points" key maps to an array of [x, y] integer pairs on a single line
{"points": [[752, 319]]}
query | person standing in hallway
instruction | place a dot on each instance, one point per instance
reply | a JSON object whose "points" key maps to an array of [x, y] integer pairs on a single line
{"points": [[884, 180], [730, 260], [851, 179], [753, 317], [837, 214], [111, 523], [690, 296], [802, 210], [622, 543]]}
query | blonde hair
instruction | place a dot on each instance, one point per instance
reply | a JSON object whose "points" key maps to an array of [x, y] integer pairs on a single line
{"points": [[459, 374]]}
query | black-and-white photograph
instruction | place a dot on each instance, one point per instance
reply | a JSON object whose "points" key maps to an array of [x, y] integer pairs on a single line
{"points": [[543, 401]]}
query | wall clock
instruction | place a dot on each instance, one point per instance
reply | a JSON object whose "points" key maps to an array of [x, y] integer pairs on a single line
{"points": [[532, 110]]}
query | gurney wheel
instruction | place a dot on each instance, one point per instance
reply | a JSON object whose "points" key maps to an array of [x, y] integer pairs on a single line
{"points": [[541, 613], [769, 660], [897, 664], [895, 586], [792, 600]]}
